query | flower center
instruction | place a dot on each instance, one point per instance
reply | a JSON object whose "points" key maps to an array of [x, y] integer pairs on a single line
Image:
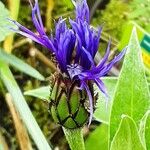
{"points": [[74, 70]]}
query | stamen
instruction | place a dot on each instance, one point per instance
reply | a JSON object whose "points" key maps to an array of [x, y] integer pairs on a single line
{"points": [[74, 70]]}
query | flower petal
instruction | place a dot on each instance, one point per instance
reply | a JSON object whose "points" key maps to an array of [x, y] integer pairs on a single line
{"points": [[37, 20], [101, 86], [88, 58], [103, 61], [82, 10], [107, 68]]}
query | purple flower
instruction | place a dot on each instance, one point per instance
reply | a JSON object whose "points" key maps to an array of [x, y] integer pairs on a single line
{"points": [[74, 47]]}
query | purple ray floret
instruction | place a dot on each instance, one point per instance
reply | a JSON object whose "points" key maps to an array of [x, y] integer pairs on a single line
{"points": [[74, 47]]}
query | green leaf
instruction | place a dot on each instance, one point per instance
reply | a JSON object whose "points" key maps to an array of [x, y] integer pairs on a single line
{"points": [[20, 65], [4, 23], [102, 112], [74, 138], [99, 137], [144, 130], [131, 96], [147, 131], [127, 137], [22, 107], [68, 3], [1, 147], [41, 93], [143, 127]]}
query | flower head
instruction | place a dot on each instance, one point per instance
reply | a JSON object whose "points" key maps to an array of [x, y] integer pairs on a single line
{"points": [[74, 48]]}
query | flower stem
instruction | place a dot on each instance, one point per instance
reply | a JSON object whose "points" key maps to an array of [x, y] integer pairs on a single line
{"points": [[75, 138]]}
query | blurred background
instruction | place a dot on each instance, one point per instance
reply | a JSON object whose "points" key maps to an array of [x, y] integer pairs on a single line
{"points": [[116, 17]]}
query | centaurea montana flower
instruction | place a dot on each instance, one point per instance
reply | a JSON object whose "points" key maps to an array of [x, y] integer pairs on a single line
{"points": [[74, 49]]}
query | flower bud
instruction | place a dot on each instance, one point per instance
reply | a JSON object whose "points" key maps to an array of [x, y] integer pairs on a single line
{"points": [[69, 105]]}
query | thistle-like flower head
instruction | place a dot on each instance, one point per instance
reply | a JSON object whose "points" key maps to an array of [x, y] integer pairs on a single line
{"points": [[74, 48]]}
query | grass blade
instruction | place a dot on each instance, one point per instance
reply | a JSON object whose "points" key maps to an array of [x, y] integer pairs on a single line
{"points": [[20, 65], [22, 107]]}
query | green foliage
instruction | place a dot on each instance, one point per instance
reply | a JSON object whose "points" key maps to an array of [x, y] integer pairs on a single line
{"points": [[68, 3], [132, 96], [24, 18], [63, 8], [147, 130], [1, 147], [102, 112], [127, 137], [144, 129], [140, 13], [4, 23], [41, 93], [113, 17], [20, 65], [22, 107], [98, 138], [118, 13]]}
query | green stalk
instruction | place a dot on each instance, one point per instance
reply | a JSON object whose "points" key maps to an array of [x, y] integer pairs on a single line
{"points": [[75, 138]]}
